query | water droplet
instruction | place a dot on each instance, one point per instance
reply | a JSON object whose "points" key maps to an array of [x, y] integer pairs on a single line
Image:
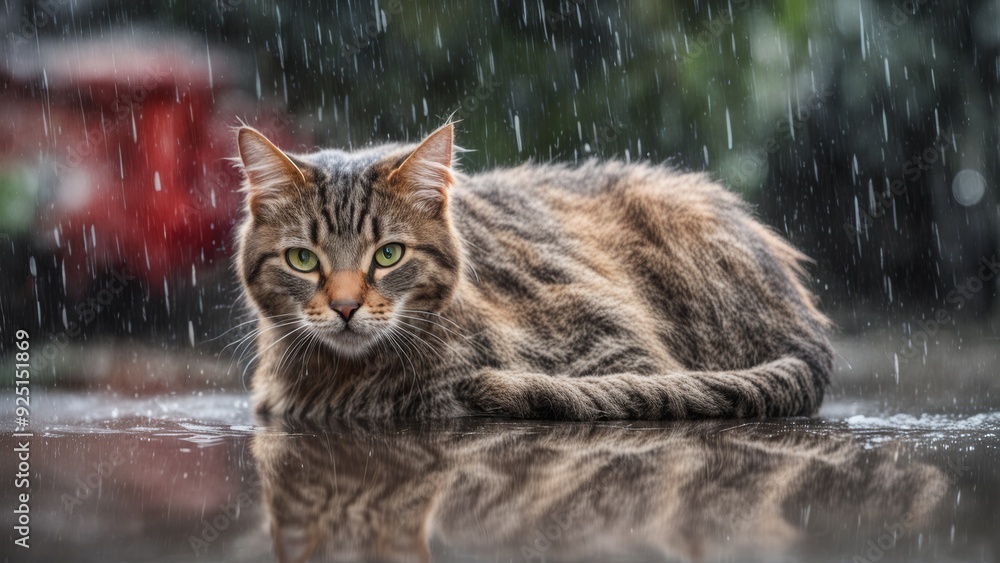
{"points": [[968, 187]]}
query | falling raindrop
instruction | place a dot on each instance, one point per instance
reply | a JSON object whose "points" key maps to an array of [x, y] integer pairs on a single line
{"points": [[517, 131], [729, 130]]}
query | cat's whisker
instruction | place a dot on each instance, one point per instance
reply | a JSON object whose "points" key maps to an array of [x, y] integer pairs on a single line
{"points": [[242, 346], [393, 340], [288, 348], [436, 315], [426, 331], [291, 350], [387, 339], [414, 383], [467, 338], [252, 338], [244, 323], [311, 338], [438, 325], [430, 347], [272, 345], [291, 355], [403, 337], [245, 344], [246, 339], [257, 332], [301, 375]]}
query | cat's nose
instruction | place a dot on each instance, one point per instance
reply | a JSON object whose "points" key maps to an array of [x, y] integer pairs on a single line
{"points": [[345, 308]]}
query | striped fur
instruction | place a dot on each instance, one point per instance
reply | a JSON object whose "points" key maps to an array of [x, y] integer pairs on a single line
{"points": [[600, 291], [704, 491]]}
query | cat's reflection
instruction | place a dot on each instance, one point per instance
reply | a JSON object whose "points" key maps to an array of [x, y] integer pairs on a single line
{"points": [[569, 492]]}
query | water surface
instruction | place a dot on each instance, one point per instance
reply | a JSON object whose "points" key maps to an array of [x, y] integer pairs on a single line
{"points": [[193, 476]]}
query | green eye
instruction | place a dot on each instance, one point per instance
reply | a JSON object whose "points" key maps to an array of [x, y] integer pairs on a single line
{"points": [[388, 255], [301, 259]]}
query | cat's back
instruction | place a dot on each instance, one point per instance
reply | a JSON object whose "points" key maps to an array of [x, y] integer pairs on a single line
{"points": [[603, 191], [606, 216], [662, 256]]}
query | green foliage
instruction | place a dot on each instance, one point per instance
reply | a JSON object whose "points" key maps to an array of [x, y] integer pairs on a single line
{"points": [[17, 201]]}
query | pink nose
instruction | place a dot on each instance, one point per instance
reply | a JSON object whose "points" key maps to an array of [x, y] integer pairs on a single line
{"points": [[345, 308]]}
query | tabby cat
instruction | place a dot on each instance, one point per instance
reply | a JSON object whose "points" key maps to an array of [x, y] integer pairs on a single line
{"points": [[389, 284]]}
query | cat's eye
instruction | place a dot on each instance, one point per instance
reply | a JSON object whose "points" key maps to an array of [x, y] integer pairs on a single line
{"points": [[388, 255], [302, 259]]}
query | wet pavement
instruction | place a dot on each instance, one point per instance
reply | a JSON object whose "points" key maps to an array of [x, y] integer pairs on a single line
{"points": [[892, 470]]}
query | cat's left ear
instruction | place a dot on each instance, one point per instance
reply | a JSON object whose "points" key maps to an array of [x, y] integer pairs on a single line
{"points": [[426, 175]]}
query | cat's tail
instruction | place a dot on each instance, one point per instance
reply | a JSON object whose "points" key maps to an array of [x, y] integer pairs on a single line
{"points": [[788, 386]]}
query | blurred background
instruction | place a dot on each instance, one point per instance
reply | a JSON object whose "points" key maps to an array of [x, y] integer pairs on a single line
{"points": [[866, 132]]}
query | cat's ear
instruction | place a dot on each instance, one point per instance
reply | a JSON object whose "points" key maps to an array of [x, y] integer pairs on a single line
{"points": [[426, 175], [270, 173]]}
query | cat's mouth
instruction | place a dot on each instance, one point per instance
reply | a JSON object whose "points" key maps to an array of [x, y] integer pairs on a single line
{"points": [[351, 339]]}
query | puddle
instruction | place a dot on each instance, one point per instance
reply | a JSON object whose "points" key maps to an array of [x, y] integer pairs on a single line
{"points": [[195, 477]]}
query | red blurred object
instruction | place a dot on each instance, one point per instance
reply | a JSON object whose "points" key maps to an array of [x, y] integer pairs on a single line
{"points": [[139, 135]]}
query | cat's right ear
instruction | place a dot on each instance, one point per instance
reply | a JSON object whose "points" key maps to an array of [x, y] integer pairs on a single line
{"points": [[270, 173]]}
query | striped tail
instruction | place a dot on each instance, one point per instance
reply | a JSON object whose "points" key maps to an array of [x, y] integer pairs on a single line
{"points": [[788, 386]]}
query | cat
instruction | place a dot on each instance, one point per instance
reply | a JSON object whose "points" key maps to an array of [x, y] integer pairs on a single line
{"points": [[472, 489], [389, 284]]}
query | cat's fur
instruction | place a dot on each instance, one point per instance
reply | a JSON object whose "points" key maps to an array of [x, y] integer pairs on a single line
{"points": [[600, 291], [703, 491]]}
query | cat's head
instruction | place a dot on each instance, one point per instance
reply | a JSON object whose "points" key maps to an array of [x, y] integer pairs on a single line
{"points": [[348, 246]]}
